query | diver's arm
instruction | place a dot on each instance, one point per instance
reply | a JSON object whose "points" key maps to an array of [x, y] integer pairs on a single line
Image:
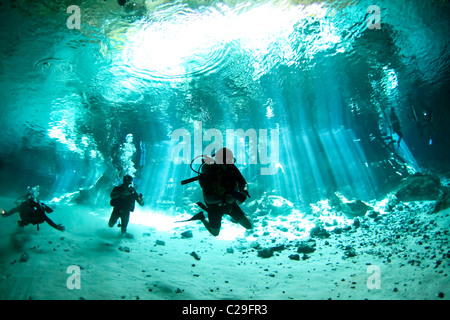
{"points": [[140, 199], [46, 208], [244, 189], [137, 196], [242, 183], [54, 225], [10, 212]]}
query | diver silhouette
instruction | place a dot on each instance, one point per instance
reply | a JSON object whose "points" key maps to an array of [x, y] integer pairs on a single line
{"points": [[123, 199], [425, 124], [395, 121], [33, 211], [224, 188]]}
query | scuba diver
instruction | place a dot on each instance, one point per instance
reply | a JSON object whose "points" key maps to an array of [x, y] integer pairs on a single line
{"points": [[425, 125], [224, 188], [123, 199], [31, 210], [390, 125], [395, 121]]}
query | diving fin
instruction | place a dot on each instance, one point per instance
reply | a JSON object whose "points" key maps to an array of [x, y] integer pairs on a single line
{"points": [[198, 216]]}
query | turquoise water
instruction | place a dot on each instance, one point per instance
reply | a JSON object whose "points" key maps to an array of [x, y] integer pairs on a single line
{"points": [[326, 105], [316, 73]]}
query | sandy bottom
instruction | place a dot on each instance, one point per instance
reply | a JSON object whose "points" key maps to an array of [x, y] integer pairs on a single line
{"points": [[403, 254]]}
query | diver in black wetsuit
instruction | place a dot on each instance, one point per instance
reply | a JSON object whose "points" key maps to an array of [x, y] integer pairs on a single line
{"points": [[396, 126], [33, 211], [123, 199], [224, 188], [425, 124]]}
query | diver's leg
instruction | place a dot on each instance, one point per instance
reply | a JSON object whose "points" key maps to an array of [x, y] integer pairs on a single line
{"points": [[245, 222], [238, 215], [214, 220], [114, 218], [215, 232], [124, 218], [400, 137]]}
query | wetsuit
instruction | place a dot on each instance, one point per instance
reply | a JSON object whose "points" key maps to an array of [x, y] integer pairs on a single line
{"points": [[219, 183], [33, 212], [123, 199]]}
